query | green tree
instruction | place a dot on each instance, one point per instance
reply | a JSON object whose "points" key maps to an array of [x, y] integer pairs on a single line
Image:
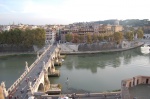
{"points": [[89, 38], [106, 37], [100, 37], [68, 37], [75, 38], [118, 37], [129, 36], [95, 37], [81, 38], [25, 38], [140, 33]]}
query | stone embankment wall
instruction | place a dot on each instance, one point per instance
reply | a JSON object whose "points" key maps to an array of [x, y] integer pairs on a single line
{"points": [[69, 47], [8, 48], [97, 46]]}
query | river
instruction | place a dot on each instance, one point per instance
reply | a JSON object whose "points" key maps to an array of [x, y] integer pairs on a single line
{"points": [[86, 73]]}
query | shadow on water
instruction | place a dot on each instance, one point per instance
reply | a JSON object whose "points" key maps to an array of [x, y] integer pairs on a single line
{"points": [[100, 60]]}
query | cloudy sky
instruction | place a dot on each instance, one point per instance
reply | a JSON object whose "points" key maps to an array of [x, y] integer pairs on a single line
{"points": [[69, 11]]}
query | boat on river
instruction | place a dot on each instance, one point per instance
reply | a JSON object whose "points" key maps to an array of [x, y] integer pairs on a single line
{"points": [[145, 49]]}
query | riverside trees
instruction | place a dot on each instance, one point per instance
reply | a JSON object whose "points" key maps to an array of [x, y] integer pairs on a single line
{"points": [[116, 37], [25, 38]]}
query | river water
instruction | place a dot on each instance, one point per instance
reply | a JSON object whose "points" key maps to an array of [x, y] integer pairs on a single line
{"points": [[86, 73]]}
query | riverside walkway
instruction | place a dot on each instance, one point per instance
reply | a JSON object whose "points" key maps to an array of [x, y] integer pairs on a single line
{"points": [[32, 79]]}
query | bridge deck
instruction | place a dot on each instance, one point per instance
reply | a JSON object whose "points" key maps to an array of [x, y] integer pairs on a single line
{"points": [[21, 90]]}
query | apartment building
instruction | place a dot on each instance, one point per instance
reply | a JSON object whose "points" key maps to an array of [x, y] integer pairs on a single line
{"points": [[50, 36]]}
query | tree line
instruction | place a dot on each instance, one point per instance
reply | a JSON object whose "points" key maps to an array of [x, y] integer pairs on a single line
{"points": [[27, 37], [109, 37]]}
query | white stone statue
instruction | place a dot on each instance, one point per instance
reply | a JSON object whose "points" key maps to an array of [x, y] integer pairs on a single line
{"points": [[3, 84], [29, 84], [4, 89]]}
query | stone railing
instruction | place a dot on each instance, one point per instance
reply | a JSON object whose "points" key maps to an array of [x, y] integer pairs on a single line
{"points": [[36, 84], [14, 85]]}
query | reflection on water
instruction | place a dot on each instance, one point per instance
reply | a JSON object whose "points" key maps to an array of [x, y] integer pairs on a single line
{"points": [[103, 71], [87, 73]]}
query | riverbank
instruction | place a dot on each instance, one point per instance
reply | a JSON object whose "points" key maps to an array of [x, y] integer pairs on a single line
{"points": [[101, 51], [74, 52]]}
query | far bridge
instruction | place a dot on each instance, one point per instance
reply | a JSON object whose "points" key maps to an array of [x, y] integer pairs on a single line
{"points": [[33, 78]]}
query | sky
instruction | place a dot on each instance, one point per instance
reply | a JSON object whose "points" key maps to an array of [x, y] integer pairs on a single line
{"points": [[41, 12]]}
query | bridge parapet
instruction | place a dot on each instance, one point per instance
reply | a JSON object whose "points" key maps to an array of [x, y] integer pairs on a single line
{"points": [[55, 53], [14, 85], [37, 82]]}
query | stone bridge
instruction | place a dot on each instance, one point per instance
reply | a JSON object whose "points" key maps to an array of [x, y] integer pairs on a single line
{"points": [[33, 78]]}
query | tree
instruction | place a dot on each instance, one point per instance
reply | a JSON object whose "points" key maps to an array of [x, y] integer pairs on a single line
{"points": [[140, 33], [118, 37], [89, 38], [100, 37], [129, 36], [68, 37], [25, 38], [95, 37], [81, 38], [106, 37], [75, 38]]}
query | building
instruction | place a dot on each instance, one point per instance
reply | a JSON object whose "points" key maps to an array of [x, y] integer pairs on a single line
{"points": [[117, 28], [129, 87], [6, 28], [50, 36]]}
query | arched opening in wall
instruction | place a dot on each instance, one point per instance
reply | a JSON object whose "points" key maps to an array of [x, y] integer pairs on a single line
{"points": [[147, 81], [41, 87]]}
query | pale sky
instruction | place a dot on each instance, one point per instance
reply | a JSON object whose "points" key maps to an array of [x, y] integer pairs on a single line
{"points": [[70, 11]]}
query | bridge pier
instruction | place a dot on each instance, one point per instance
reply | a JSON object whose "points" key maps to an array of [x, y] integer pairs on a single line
{"points": [[52, 72], [58, 62]]}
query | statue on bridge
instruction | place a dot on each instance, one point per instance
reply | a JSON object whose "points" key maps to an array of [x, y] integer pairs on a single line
{"points": [[4, 89], [30, 90]]}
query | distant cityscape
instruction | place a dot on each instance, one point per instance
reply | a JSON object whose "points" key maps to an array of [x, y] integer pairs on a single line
{"points": [[58, 32]]}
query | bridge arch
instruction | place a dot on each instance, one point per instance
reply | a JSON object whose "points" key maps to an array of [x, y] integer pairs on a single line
{"points": [[41, 87]]}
